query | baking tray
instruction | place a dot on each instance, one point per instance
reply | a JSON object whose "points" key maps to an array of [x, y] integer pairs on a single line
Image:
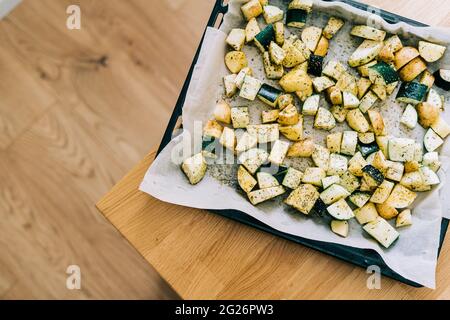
{"points": [[360, 257]]}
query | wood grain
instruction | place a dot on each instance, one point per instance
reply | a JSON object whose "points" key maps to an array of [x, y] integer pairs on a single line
{"points": [[77, 110], [205, 256]]}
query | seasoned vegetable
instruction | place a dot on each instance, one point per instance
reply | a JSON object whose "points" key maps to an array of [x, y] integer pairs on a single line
{"points": [[250, 88], [301, 149], [272, 70], [303, 198], [365, 53], [324, 120], [431, 52], [279, 151], [245, 180], [404, 219], [235, 61], [311, 105], [366, 213], [311, 36], [367, 32], [253, 159], [240, 117], [314, 176], [401, 197], [266, 180], [359, 199], [332, 28], [377, 121], [294, 132], [269, 116], [341, 210], [383, 74], [334, 194], [246, 142], [251, 30], [401, 149], [315, 65], [252, 9], [293, 178], [296, 18], [382, 231], [409, 117], [413, 69], [443, 79], [272, 14], [194, 168], [334, 141], [334, 69], [432, 141], [372, 173], [236, 39], [265, 133], [404, 56], [322, 83], [265, 37], [230, 85], [357, 121], [277, 54], [412, 93], [428, 114], [262, 195], [269, 95], [356, 164], [341, 228]]}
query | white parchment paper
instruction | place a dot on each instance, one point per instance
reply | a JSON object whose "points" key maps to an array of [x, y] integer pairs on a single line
{"points": [[414, 255]]}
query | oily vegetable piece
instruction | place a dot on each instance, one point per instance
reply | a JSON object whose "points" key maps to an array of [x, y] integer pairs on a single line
{"points": [[194, 168], [245, 180], [259, 196], [303, 198]]}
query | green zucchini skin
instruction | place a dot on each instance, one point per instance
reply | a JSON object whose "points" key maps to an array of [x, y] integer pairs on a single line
{"points": [[266, 36], [296, 17], [320, 208], [440, 81], [367, 149], [315, 65], [278, 172], [376, 174], [209, 144], [412, 92], [269, 94], [386, 71]]}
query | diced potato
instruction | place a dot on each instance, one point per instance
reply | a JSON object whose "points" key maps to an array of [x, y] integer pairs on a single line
{"points": [[334, 142], [294, 56], [251, 30], [253, 159], [246, 142], [428, 114], [240, 117], [272, 14], [363, 86], [252, 9], [441, 127], [401, 197], [321, 156], [329, 181], [293, 178], [357, 121], [341, 228], [324, 120], [269, 116], [262, 195], [311, 36], [294, 132], [289, 116], [213, 129], [365, 53], [265, 133], [222, 112], [272, 70], [334, 95], [228, 138], [380, 91], [332, 28], [322, 47], [285, 100], [382, 231], [279, 33], [404, 219], [349, 142], [431, 52], [296, 80], [337, 165], [404, 56], [279, 151], [334, 69], [301, 149], [364, 69], [235, 61], [245, 179], [377, 121], [356, 164], [369, 33], [230, 85], [250, 88], [303, 198], [239, 81], [314, 176], [322, 83], [266, 180], [339, 113], [386, 211], [236, 39], [194, 168], [427, 79], [277, 54], [366, 214], [412, 70]]}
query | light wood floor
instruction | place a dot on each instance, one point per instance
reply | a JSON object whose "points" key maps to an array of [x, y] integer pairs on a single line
{"points": [[77, 110]]}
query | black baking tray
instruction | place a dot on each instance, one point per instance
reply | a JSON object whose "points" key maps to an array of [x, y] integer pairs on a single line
{"points": [[360, 257]]}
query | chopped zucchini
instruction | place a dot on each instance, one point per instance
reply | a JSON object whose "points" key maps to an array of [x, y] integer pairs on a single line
{"points": [[329, 181], [382, 231], [266, 180], [262, 195], [250, 88], [264, 133], [311, 105], [349, 142], [334, 69], [265, 37], [277, 54], [321, 156], [194, 168], [311, 36], [382, 193], [332, 28], [370, 173], [341, 228], [431, 52], [409, 117], [430, 178], [279, 151], [324, 120], [320, 209], [427, 79], [230, 85], [251, 30], [294, 132], [380, 91], [432, 141], [383, 74], [239, 80], [315, 65], [443, 79], [365, 53], [401, 149], [314, 176], [412, 93], [364, 69], [368, 150], [368, 101], [235, 61], [296, 18], [349, 182], [334, 141], [441, 127], [339, 113], [369, 33], [240, 117], [333, 194], [341, 210], [322, 83], [253, 159], [357, 121], [413, 69], [404, 56], [401, 197], [404, 219], [236, 39], [366, 213], [273, 71], [359, 199], [279, 33], [269, 95], [356, 164], [303, 198], [431, 160], [337, 164], [272, 14], [302, 149], [301, 4], [246, 142], [245, 180], [292, 179]]}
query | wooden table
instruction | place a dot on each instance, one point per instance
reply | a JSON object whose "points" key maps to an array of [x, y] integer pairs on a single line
{"points": [[205, 256]]}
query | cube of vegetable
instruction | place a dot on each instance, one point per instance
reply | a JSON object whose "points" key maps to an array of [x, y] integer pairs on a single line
{"points": [[340, 210], [409, 117], [303, 198], [269, 116], [212, 129], [239, 80], [294, 132], [341, 228], [250, 88], [401, 197], [236, 39], [252, 9], [228, 138], [334, 142], [311, 105], [404, 219], [349, 142], [333, 194], [334, 69], [324, 120], [332, 28], [302, 149], [293, 178], [356, 164], [279, 151], [266, 180], [359, 199], [251, 30], [230, 85], [272, 14], [264, 133], [245, 180], [337, 164], [236, 61], [349, 182], [329, 181], [240, 117], [382, 193], [258, 196], [277, 54], [382, 231], [366, 214], [357, 121], [321, 156], [194, 168], [253, 159], [246, 142], [314, 176]]}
